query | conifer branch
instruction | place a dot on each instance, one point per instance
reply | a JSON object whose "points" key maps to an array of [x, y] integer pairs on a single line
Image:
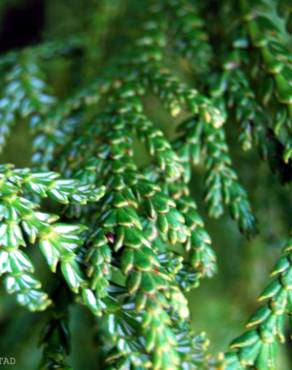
{"points": [[275, 65], [257, 347], [23, 225], [189, 36], [55, 335], [24, 95]]}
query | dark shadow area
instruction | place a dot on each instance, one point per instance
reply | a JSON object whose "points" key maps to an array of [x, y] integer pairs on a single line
{"points": [[22, 24]]}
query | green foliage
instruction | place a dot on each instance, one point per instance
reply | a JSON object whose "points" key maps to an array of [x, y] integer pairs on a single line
{"points": [[144, 244], [22, 225], [258, 346]]}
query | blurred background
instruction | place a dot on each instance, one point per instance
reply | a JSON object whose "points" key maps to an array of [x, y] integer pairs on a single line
{"points": [[221, 305]]}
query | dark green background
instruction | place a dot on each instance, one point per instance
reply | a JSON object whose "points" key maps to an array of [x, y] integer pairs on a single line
{"points": [[220, 306]]}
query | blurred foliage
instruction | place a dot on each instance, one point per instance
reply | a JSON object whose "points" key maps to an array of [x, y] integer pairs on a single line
{"points": [[219, 306]]}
